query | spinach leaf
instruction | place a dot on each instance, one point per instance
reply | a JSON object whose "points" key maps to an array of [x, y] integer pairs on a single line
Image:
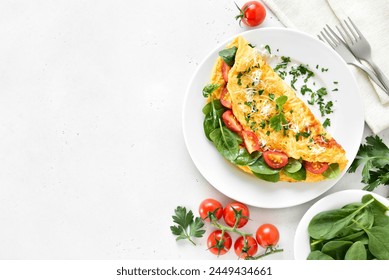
{"points": [[293, 165], [357, 251], [328, 224], [216, 104], [228, 55], [298, 176], [260, 167], [336, 249], [226, 142], [245, 158], [270, 178], [317, 255], [211, 122], [209, 89], [379, 241], [316, 245], [356, 236], [379, 211], [364, 219], [332, 172]]}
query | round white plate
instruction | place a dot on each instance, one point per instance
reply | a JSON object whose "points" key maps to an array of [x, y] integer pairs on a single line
{"points": [[347, 121], [332, 201]]}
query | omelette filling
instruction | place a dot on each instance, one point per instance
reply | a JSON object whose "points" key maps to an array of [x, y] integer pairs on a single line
{"points": [[256, 121]]}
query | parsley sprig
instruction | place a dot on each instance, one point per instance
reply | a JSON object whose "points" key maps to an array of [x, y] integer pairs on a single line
{"points": [[374, 157], [278, 121], [187, 226]]}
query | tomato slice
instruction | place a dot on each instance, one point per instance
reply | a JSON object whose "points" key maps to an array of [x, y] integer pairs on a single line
{"points": [[275, 159], [250, 141], [225, 98], [231, 122], [225, 70], [316, 167]]}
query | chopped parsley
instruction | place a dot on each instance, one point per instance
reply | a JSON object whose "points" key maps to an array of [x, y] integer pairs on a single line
{"points": [[278, 120], [285, 60], [303, 134], [305, 89], [267, 47], [271, 96], [327, 123]]}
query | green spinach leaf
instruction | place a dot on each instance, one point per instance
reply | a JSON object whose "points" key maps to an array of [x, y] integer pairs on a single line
{"points": [[336, 249], [379, 241], [357, 251], [332, 172], [270, 178], [300, 175], [245, 158], [217, 105], [328, 224], [260, 167], [228, 55], [317, 255], [293, 165], [226, 142]]}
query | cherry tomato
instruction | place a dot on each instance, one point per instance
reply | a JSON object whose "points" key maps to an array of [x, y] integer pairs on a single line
{"points": [[212, 206], [225, 98], [230, 216], [218, 244], [245, 247], [231, 122], [250, 140], [267, 235], [252, 13], [275, 159], [316, 167], [225, 70]]}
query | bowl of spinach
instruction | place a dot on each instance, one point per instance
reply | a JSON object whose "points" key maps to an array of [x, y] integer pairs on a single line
{"points": [[346, 225]]}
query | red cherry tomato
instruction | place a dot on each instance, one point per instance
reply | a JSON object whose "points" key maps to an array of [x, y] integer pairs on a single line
{"points": [[212, 206], [225, 98], [250, 141], [252, 13], [245, 247], [231, 122], [267, 235], [316, 167], [275, 159], [225, 70], [218, 244], [230, 216]]}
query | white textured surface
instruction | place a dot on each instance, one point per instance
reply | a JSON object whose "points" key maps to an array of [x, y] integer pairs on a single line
{"points": [[93, 160]]}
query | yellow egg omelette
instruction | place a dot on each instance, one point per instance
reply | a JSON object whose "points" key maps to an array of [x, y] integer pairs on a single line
{"points": [[281, 139]]}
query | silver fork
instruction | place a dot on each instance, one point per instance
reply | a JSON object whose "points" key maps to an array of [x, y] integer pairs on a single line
{"points": [[360, 47], [340, 47]]}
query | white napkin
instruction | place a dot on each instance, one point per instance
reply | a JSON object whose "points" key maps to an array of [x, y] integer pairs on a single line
{"points": [[371, 17]]}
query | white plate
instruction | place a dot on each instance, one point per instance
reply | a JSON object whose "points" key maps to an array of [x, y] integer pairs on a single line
{"points": [[346, 122], [332, 201]]}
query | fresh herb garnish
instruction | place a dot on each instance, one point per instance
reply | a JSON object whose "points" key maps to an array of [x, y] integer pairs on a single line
{"points": [[271, 96], [209, 89], [327, 123], [303, 134], [187, 226], [267, 47], [228, 55], [374, 157], [305, 89], [285, 60], [278, 121]]}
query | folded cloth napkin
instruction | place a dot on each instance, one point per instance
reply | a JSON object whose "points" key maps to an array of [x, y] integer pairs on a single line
{"points": [[371, 17]]}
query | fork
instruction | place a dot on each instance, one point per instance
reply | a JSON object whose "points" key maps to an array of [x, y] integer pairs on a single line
{"points": [[340, 47], [360, 47]]}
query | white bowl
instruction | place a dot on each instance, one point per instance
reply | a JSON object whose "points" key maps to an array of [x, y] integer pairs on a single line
{"points": [[330, 202]]}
